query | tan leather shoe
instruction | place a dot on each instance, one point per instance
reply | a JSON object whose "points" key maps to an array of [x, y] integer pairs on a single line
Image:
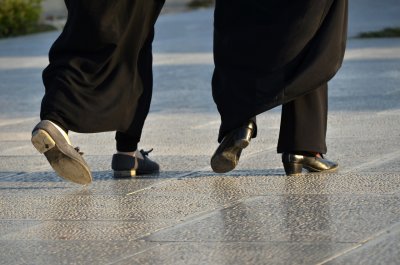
{"points": [[66, 160]]}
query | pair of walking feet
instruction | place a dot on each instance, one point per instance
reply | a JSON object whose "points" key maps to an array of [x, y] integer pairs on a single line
{"points": [[227, 155], [67, 161]]}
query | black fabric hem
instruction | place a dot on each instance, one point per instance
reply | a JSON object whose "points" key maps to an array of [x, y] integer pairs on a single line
{"points": [[299, 149], [225, 131], [55, 118], [125, 142]]}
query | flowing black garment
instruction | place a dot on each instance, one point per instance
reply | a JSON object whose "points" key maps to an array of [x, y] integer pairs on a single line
{"points": [[94, 80], [268, 52]]}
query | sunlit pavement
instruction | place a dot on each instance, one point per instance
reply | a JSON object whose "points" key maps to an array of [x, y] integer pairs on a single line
{"points": [[187, 214]]}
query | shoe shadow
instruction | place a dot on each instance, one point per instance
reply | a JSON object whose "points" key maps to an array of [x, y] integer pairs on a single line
{"points": [[240, 173], [107, 175]]}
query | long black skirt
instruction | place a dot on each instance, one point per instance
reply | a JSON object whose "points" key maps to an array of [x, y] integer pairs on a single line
{"points": [[268, 52], [93, 82]]}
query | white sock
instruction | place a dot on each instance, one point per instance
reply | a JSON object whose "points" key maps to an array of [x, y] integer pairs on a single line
{"points": [[134, 154], [62, 132]]}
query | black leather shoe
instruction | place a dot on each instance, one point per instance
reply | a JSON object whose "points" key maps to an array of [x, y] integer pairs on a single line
{"points": [[125, 166], [227, 155], [66, 160], [294, 164]]}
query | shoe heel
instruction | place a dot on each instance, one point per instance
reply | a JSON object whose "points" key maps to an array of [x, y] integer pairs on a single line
{"points": [[244, 137], [125, 173], [42, 141], [293, 168], [242, 143]]}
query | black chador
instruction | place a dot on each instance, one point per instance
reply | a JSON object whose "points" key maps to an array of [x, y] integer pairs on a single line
{"points": [[99, 79], [269, 52], [100, 72]]}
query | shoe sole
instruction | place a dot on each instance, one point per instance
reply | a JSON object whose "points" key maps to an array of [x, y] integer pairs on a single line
{"points": [[125, 174], [313, 170], [63, 164], [227, 160]]}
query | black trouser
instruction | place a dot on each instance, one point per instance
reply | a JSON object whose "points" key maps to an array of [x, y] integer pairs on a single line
{"points": [[304, 122], [128, 141], [100, 73]]}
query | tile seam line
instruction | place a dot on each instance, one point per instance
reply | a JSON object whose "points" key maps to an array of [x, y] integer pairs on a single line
{"points": [[133, 255], [19, 174], [250, 242], [163, 182], [191, 218], [187, 175], [374, 162], [198, 216], [184, 175], [369, 241], [83, 220], [174, 242]]}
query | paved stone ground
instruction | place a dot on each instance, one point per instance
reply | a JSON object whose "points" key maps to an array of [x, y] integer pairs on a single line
{"points": [[187, 214]]}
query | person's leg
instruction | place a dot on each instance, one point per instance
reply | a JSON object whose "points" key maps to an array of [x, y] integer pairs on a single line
{"points": [[128, 141], [304, 123], [129, 161], [302, 138], [227, 155], [93, 81]]}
